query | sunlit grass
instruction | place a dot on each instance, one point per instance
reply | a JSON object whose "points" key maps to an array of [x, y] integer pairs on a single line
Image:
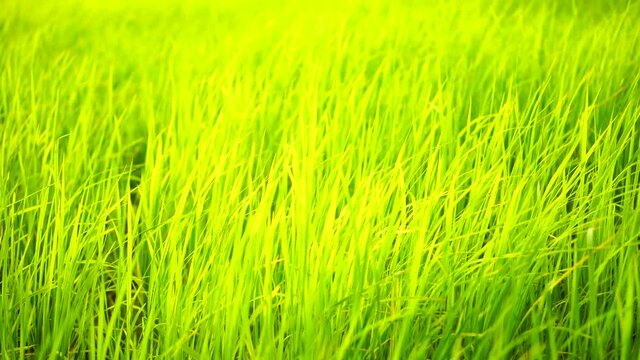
{"points": [[360, 179]]}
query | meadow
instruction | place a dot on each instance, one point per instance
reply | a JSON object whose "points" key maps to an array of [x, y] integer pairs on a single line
{"points": [[319, 180]]}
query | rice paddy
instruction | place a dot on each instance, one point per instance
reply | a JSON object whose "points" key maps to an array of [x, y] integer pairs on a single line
{"points": [[333, 180]]}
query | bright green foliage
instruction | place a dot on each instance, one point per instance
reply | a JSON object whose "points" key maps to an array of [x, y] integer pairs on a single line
{"points": [[351, 179]]}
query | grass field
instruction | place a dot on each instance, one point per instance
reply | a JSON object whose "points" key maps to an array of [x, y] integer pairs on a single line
{"points": [[335, 180]]}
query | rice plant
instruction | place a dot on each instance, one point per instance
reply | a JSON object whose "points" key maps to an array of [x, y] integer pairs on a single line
{"points": [[354, 179]]}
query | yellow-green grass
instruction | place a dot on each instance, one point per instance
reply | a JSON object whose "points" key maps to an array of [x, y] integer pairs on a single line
{"points": [[334, 180]]}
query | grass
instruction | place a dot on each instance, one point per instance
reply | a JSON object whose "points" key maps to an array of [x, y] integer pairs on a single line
{"points": [[349, 179]]}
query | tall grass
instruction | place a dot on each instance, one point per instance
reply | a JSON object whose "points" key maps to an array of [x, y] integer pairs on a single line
{"points": [[350, 179]]}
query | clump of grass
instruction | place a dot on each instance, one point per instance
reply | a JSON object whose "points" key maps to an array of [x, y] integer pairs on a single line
{"points": [[341, 180]]}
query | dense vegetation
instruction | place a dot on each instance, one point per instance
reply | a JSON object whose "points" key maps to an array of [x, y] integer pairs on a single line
{"points": [[351, 179]]}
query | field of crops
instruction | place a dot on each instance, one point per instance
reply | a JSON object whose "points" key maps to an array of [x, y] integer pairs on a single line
{"points": [[355, 179]]}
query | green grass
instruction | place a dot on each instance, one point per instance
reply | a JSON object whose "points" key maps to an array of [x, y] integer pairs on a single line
{"points": [[351, 179]]}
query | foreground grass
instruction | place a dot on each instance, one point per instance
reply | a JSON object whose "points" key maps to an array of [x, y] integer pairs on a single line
{"points": [[359, 180]]}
